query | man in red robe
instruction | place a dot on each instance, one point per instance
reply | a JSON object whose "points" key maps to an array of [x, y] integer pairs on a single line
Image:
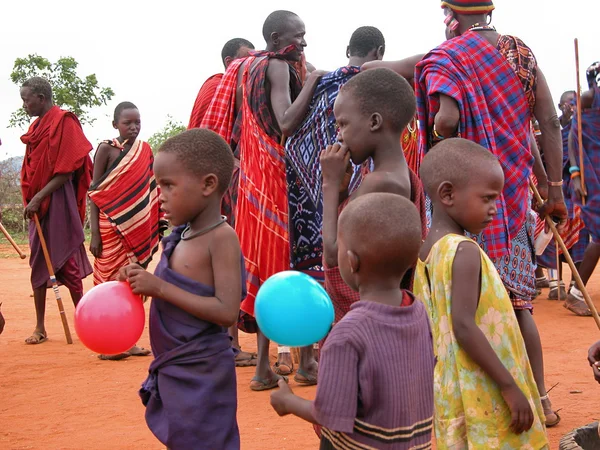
{"points": [[55, 177], [260, 101], [234, 49]]}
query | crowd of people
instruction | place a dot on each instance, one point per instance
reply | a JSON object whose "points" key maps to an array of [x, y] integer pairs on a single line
{"points": [[378, 179]]}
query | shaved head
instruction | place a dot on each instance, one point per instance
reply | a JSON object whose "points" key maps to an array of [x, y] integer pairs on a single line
{"points": [[384, 230]]}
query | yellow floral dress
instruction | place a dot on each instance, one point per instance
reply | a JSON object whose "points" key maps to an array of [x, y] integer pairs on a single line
{"points": [[470, 412]]}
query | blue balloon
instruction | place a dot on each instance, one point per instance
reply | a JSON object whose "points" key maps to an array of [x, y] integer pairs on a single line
{"points": [[293, 309]]}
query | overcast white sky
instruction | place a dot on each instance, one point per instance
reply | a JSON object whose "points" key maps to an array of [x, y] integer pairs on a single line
{"points": [[158, 54]]}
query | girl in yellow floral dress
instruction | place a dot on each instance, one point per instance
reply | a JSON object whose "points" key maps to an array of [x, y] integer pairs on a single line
{"points": [[485, 393]]}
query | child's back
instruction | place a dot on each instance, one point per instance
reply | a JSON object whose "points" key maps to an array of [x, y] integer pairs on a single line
{"points": [[384, 352]]}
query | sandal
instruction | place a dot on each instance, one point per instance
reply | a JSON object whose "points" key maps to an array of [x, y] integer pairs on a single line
{"points": [[553, 294], [307, 378], [282, 368], [552, 417], [245, 359], [264, 384], [577, 306], [36, 338], [542, 283]]}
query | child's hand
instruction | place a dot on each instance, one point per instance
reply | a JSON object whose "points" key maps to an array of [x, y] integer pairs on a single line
{"points": [[522, 415], [144, 283], [594, 360], [123, 274], [279, 398], [335, 161]]}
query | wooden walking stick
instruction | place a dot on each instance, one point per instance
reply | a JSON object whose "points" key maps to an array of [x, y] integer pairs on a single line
{"points": [[558, 277], [12, 241], [574, 271], [61, 308], [579, 125]]}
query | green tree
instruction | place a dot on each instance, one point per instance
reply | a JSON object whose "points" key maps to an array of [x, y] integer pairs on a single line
{"points": [[69, 91], [172, 128]]}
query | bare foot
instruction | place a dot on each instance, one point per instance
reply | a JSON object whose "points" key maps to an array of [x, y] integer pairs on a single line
{"points": [[264, 384], [117, 357], [37, 337], [139, 351], [245, 359], [307, 374]]}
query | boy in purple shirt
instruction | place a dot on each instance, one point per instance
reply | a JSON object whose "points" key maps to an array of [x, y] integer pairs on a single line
{"points": [[376, 371]]}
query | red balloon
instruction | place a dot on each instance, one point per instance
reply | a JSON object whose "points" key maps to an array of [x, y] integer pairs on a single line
{"points": [[110, 318]]}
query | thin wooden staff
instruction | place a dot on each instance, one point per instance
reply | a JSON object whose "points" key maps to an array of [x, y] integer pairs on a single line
{"points": [[579, 125], [61, 308], [558, 277], [567, 256], [12, 241]]}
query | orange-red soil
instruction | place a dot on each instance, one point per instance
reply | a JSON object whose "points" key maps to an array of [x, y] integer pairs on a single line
{"points": [[59, 396]]}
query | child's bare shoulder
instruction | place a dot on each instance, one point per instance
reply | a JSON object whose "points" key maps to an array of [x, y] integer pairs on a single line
{"points": [[387, 182], [225, 237]]}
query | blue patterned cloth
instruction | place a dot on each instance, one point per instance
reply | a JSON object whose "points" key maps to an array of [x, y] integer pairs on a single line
{"points": [[548, 258], [303, 172], [590, 119]]}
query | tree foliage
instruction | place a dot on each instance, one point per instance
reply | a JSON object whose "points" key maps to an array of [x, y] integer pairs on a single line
{"points": [[11, 201], [69, 91], [172, 128]]}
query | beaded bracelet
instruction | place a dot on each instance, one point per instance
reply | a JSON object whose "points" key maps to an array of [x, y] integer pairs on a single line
{"points": [[555, 183], [575, 175], [574, 169]]}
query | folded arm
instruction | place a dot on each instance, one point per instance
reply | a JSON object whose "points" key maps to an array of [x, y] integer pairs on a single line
{"points": [[404, 67]]}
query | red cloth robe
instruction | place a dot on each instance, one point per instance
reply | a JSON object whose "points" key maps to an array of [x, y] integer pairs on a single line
{"points": [[55, 145], [205, 96]]}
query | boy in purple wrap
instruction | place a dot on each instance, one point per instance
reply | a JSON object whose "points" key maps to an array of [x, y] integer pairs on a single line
{"points": [[376, 369], [190, 392]]}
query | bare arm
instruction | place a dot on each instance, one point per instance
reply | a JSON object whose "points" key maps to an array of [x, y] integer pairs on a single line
{"points": [[447, 118], [466, 281], [550, 140], [223, 308], [285, 402], [289, 116], [331, 203], [100, 166], [404, 67], [538, 167]]}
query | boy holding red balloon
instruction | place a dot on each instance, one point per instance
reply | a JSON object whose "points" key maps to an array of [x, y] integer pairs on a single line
{"points": [[376, 369], [190, 393]]}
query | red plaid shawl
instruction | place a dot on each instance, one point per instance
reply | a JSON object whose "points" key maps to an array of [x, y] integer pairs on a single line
{"points": [[262, 210], [56, 145], [262, 205], [127, 194], [203, 100], [494, 112], [220, 116]]}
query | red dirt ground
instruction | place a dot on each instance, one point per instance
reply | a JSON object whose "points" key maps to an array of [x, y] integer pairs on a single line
{"points": [[59, 396]]}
